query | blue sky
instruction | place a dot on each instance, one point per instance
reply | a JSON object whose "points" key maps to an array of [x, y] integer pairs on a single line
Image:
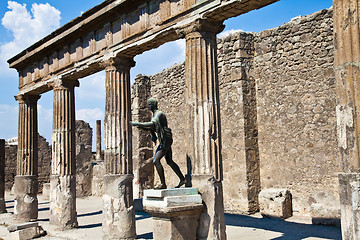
{"points": [[23, 25]]}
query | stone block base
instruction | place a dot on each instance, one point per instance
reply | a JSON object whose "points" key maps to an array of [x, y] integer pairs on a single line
{"points": [[46, 191], [63, 202], [26, 202], [26, 231], [119, 212], [275, 203], [349, 185], [325, 215], [212, 220]]}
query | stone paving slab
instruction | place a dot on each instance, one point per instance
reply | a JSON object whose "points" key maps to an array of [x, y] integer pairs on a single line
{"points": [[239, 227]]}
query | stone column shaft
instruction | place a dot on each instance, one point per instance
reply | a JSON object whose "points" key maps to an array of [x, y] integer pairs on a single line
{"points": [[202, 97], [98, 139], [204, 137], [26, 181], [63, 166], [118, 150], [2, 176], [27, 160], [119, 213], [347, 73]]}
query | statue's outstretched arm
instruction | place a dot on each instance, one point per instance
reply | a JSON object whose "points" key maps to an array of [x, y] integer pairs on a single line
{"points": [[144, 125]]}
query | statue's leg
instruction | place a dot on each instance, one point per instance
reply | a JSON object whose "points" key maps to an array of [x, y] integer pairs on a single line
{"points": [[174, 166], [159, 168]]}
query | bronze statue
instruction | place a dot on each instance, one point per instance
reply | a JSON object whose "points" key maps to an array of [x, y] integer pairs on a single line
{"points": [[158, 128]]}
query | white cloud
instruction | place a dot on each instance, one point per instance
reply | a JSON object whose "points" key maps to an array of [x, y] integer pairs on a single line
{"points": [[9, 121], [228, 32], [45, 114], [27, 27], [89, 114], [92, 87]]}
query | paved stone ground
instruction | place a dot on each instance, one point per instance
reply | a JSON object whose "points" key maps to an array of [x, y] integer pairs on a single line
{"points": [[237, 226]]}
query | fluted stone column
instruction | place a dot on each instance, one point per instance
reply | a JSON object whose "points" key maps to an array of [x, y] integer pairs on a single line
{"points": [[204, 137], [98, 139], [119, 213], [26, 179], [347, 72], [2, 176], [63, 165]]}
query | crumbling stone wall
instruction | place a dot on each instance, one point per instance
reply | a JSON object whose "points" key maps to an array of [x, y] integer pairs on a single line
{"points": [[277, 95], [10, 165], [83, 135], [296, 103]]}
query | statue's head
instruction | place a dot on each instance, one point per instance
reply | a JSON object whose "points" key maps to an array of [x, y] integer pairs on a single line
{"points": [[152, 104]]}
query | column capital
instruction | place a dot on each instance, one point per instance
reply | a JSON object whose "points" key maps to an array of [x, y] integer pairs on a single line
{"points": [[201, 26], [119, 62], [59, 84], [27, 98]]}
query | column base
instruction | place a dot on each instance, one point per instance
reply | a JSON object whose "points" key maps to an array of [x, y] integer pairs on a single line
{"points": [[63, 202], [119, 212], [349, 185], [212, 219], [26, 202]]}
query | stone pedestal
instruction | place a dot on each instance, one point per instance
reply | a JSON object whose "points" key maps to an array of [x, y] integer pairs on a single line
{"points": [[63, 201], [26, 202], [175, 212], [119, 212]]}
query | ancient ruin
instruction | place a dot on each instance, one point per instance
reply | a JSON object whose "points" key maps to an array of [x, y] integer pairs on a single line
{"points": [[101, 40]]}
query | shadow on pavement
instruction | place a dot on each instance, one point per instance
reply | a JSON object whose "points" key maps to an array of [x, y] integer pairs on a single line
{"points": [[90, 214], [44, 209], [90, 226], [146, 236], [142, 215], [290, 230]]}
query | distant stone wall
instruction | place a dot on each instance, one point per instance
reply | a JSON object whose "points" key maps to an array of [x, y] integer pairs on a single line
{"points": [[83, 160], [297, 120], [83, 135], [10, 165], [44, 161], [277, 96]]}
